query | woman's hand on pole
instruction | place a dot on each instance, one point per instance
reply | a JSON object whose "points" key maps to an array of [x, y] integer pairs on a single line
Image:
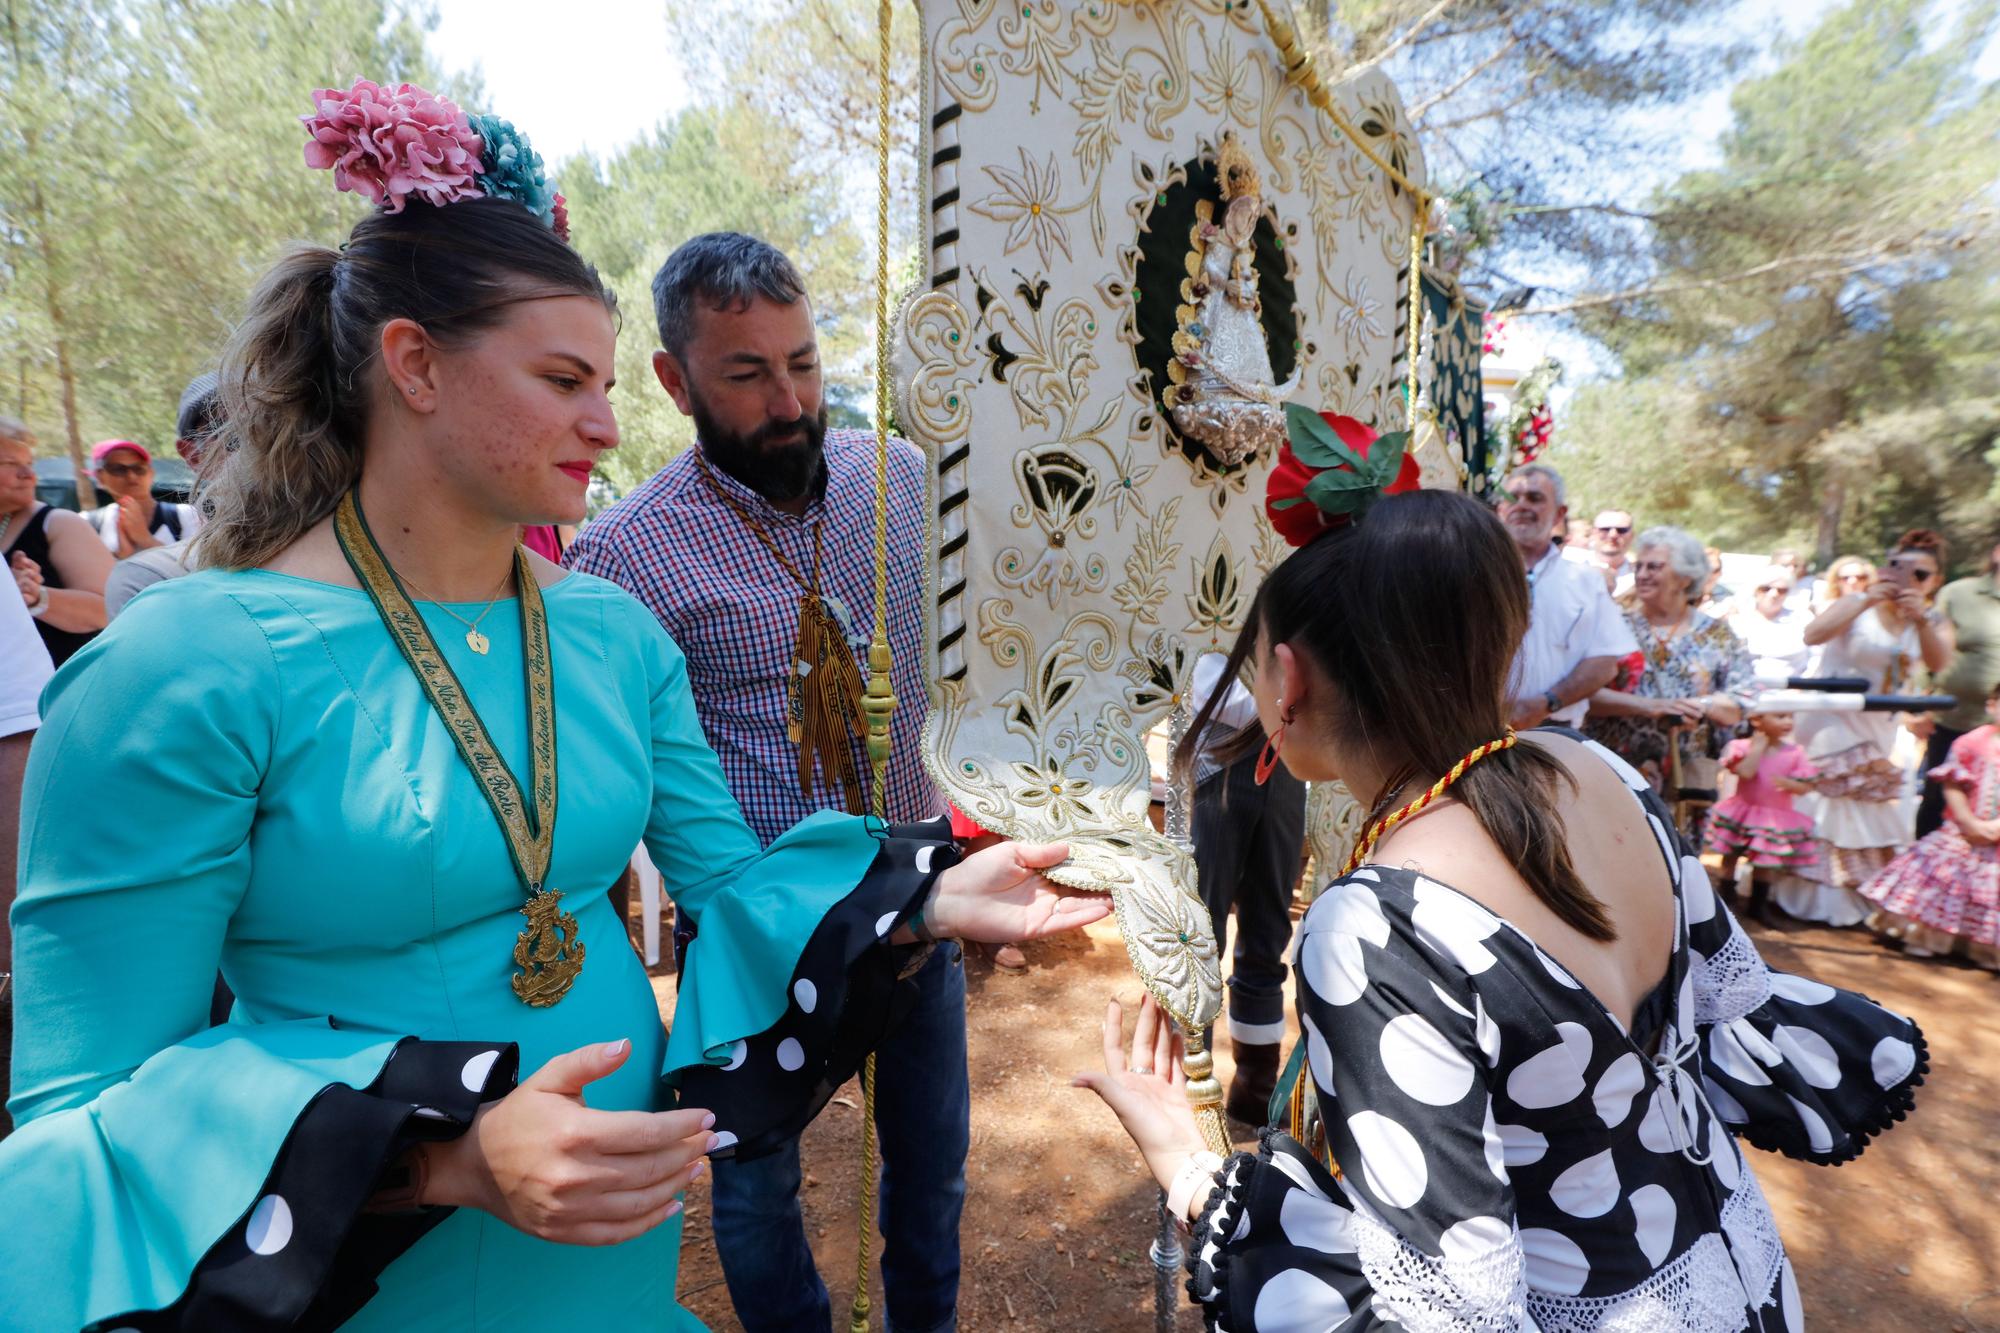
{"points": [[543, 1162], [1147, 1089], [1000, 896]]}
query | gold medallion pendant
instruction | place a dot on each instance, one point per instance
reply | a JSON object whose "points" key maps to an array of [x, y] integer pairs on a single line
{"points": [[476, 641], [547, 951]]}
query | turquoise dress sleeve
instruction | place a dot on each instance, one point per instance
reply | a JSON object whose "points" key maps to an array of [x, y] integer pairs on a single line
{"points": [[147, 1139], [791, 978]]}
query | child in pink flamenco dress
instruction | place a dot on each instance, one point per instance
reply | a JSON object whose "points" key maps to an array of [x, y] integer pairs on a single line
{"points": [[1757, 821], [1942, 896]]}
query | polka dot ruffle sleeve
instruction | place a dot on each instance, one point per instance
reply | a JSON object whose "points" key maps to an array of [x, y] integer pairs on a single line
{"points": [[847, 993], [1423, 1216], [307, 1252], [1791, 1064]]}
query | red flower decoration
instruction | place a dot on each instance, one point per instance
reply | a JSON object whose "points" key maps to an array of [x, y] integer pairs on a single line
{"points": [[1296, 513], [560, 218]]}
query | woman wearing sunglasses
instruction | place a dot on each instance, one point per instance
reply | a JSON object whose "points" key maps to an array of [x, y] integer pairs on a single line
{"points": [[1849, 574], [1879, 633]]}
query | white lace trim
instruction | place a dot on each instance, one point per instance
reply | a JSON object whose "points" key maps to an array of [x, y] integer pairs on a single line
{"points": [[1731, 984], [1465, 1294], [1705, 1290]]}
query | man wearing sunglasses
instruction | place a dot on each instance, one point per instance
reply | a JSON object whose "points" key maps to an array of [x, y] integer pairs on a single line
{"points": [[1610, 540], [134, 520], [1576, 636]]}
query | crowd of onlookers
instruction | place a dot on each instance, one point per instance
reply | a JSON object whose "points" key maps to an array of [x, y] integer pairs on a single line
{"points": [[1833, 816], [1836, 814]]}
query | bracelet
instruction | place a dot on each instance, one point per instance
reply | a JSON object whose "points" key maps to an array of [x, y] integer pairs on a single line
{"points": [[1199, 1169], [1554, 701], [41, 607], [920, 927]]}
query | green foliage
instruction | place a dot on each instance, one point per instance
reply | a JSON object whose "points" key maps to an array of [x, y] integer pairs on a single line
{"points": [[1815, 356], [150, 168], [715, 168]]}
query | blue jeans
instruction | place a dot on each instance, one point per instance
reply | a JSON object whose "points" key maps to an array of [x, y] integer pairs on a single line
{"points": [[923, 1110]]}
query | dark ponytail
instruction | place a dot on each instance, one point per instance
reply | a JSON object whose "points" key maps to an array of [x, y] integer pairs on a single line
{"points": [[1415, 616], [298, 376]]}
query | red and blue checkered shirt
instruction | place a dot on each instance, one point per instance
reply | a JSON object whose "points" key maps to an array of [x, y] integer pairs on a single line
{"points": [[679, 548]]}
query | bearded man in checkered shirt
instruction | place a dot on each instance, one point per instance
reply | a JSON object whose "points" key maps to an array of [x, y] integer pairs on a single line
{"points": [[719, 544]]}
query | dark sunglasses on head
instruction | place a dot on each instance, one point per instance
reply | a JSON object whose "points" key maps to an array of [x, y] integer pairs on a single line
{"points": [[1913, 569], [125, 469], [1606, 527]]}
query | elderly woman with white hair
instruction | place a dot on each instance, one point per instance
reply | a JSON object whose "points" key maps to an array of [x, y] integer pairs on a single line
{"points": [[1695, 675]]}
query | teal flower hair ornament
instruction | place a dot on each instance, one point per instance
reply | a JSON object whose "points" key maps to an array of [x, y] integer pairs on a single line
{"points": [[510, 168]]}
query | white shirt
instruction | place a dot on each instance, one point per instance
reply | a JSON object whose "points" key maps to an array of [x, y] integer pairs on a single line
{"points": [[141, 570], [1571, 617], [105, 519], [1621, 582], [24, 665], [1236, 709], [1777, 646]]}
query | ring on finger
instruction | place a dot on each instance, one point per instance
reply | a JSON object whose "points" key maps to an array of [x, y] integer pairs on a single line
{"points": [[1139, 1069]]}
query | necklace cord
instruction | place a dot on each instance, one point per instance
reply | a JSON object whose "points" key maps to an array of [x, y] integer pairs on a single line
{"points": [[1379, 827]]}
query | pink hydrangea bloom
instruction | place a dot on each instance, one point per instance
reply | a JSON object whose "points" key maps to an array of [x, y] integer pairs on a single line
{"points": [[391, 144]]}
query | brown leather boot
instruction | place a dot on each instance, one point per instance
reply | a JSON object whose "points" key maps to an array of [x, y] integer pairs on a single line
{"points": [[1256, 1078]]}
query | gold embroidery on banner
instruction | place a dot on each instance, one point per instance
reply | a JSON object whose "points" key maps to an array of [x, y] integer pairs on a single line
{"points": [[1074, 579]]}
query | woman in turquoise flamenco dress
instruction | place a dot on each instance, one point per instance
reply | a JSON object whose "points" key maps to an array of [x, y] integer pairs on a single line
{"points": [[377, 766]]}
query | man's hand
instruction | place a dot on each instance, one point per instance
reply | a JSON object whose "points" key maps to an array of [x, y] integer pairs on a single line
{"points": [[132, 531], [1529, 713]]}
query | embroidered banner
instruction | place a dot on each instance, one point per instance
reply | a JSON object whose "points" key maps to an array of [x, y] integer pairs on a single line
{"points": [[1141, 239]]}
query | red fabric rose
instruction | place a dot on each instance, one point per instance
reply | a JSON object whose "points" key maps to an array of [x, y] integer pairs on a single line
{"points": [[1299, 523]]}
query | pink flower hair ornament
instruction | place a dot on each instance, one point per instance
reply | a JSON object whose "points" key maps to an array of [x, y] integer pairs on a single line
{"points": [[392, 145]]}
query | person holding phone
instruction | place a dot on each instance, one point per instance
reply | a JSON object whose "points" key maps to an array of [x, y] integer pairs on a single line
{"points": [[1879, 633]]}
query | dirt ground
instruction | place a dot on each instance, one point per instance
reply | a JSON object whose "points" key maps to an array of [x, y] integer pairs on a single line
{"points": [[1060, 1213]]}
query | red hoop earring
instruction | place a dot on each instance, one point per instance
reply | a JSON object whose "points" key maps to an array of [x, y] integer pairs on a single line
{"points": [[1267, 761]]}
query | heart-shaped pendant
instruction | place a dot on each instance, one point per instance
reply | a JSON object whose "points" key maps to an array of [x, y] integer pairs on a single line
{"points": [[476, 641]]}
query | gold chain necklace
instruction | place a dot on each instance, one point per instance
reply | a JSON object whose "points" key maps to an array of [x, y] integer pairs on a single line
{"points": [[474, 640], [823, 686]]}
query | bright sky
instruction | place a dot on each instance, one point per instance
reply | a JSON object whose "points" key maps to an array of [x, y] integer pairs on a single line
{"points": [[596, 78], [605, 74]]}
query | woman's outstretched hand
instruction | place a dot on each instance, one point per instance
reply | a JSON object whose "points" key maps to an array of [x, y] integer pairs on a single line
{"points": [[544, 1163], [1000, 896], [1147, 1090]]}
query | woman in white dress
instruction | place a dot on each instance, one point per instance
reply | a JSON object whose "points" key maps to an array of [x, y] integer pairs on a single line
{"points": [[1859, 822]]}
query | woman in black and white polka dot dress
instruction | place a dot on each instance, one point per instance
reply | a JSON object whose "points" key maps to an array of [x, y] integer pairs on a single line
{"points": [[1534, 1036]]}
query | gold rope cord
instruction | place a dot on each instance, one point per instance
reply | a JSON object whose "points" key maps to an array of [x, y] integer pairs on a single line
{"points": [[880, 701]]}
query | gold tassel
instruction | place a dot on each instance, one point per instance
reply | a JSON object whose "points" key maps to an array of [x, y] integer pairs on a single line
{"points": [[826, 704]]}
